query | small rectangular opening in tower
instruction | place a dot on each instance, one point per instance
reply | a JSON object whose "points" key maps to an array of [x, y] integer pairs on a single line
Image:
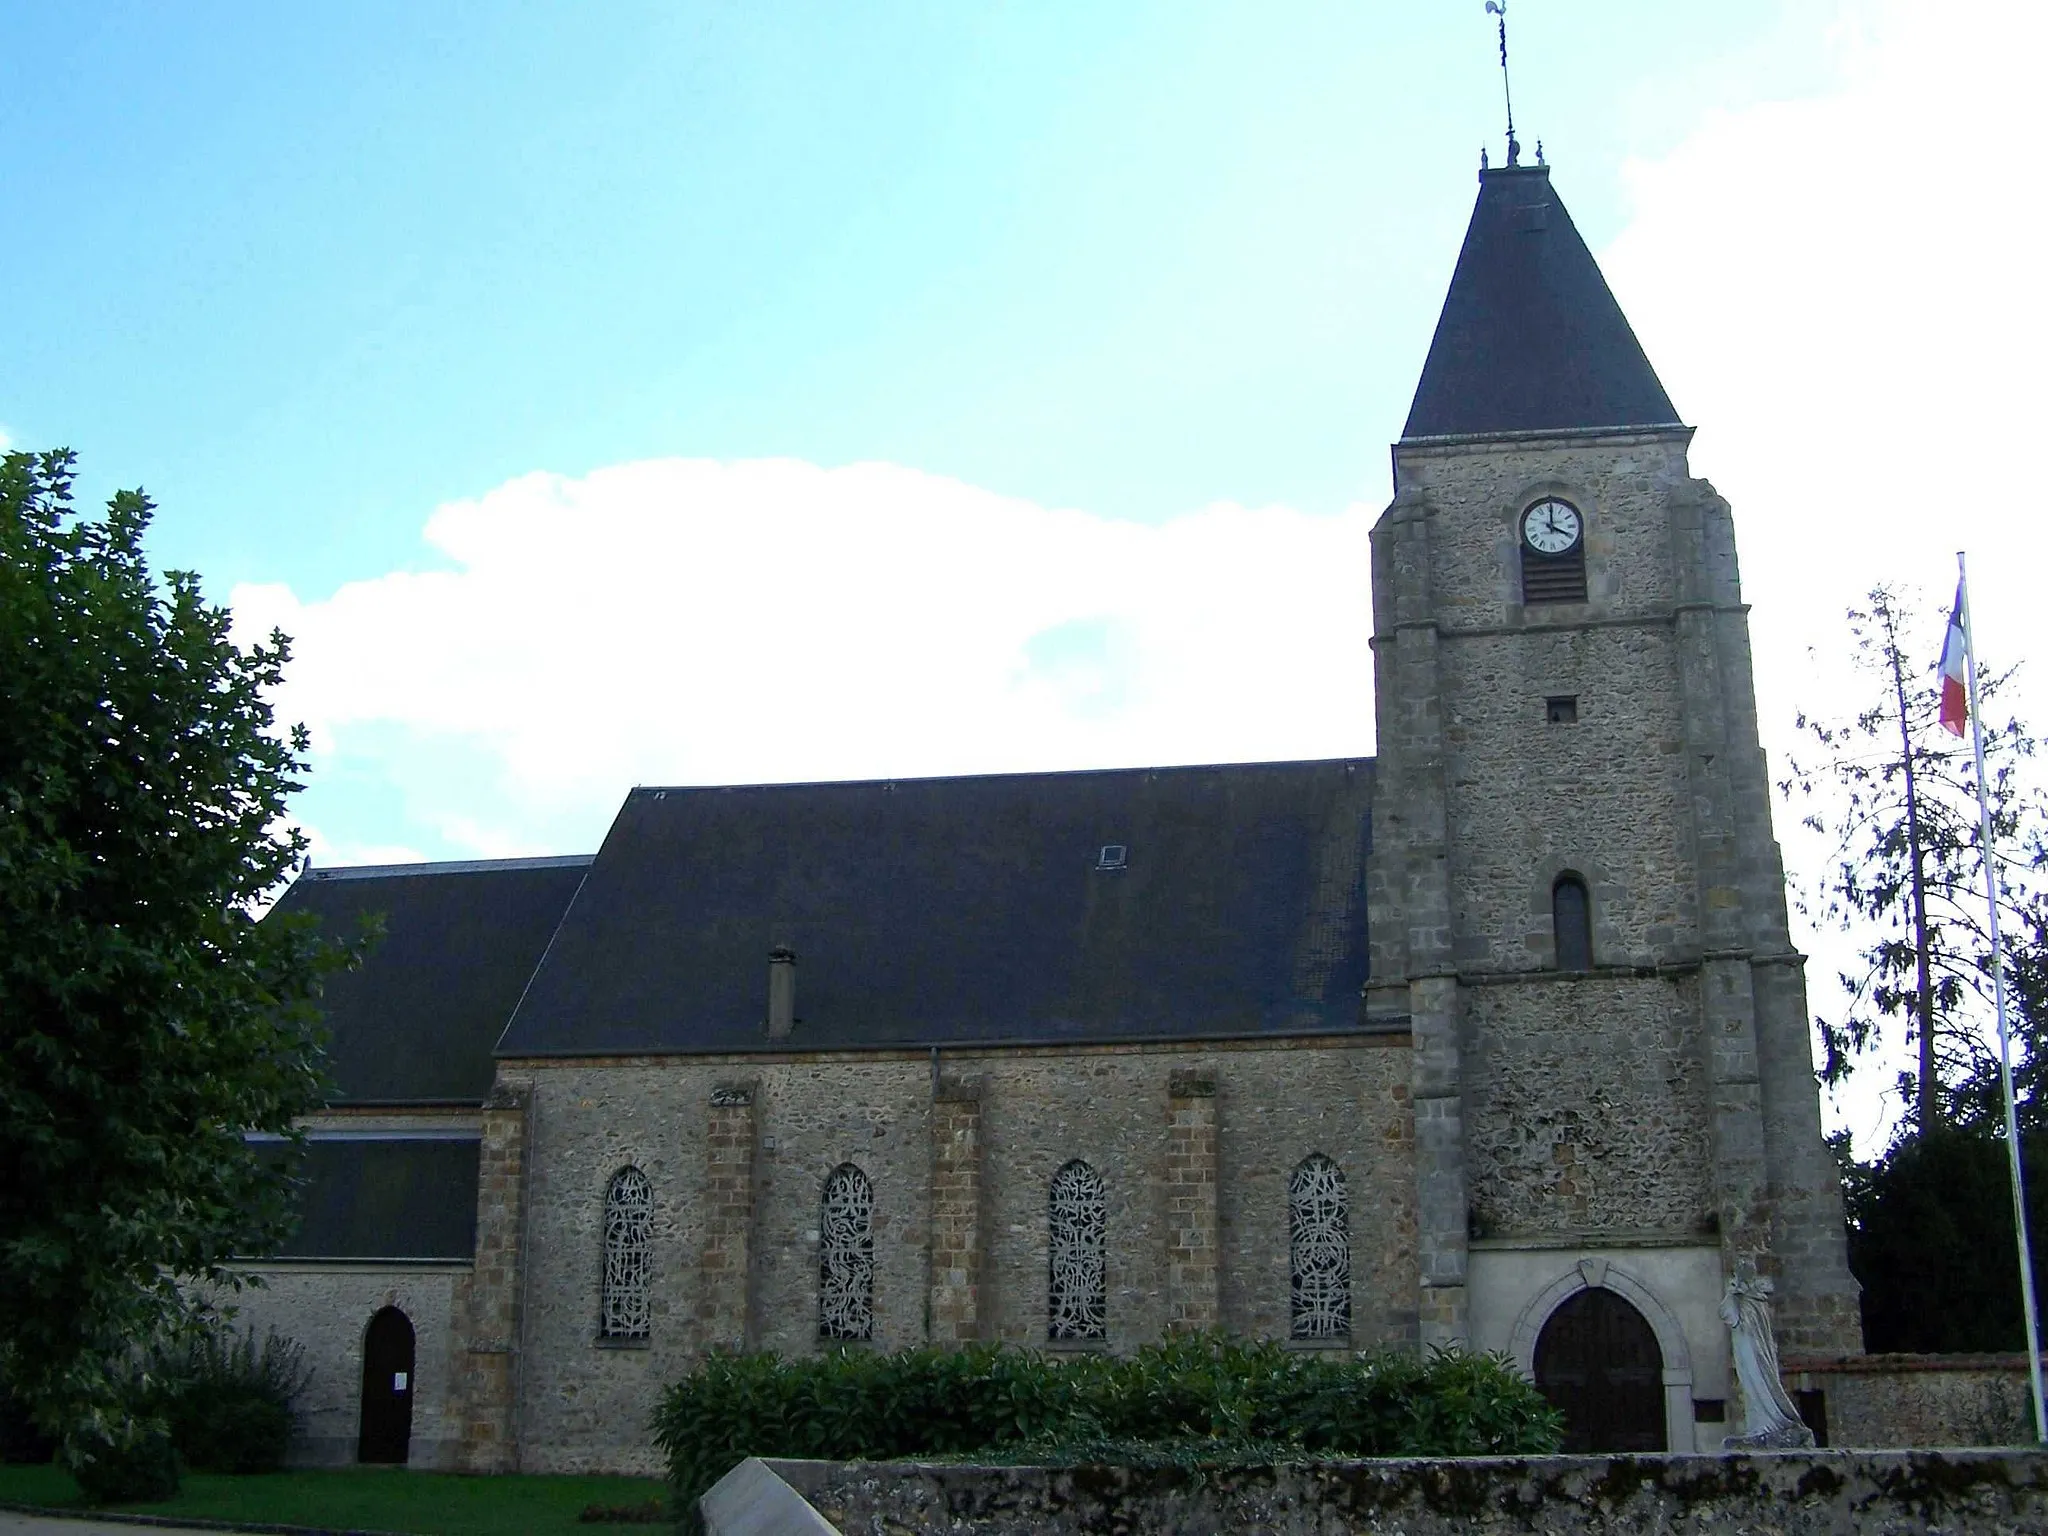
{"points": [[1562, 710]]}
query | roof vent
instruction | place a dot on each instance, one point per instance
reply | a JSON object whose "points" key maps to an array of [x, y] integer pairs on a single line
{"points": [[781, 992], [1113, 856]]}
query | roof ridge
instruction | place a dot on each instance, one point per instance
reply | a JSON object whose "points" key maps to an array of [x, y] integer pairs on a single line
{"points": [[445, 867], [1006, 773]]}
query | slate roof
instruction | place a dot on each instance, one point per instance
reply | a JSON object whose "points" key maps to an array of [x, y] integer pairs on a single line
{"points": [[1531, 338], [967, 910], [365, 1198], [416, 1024]]}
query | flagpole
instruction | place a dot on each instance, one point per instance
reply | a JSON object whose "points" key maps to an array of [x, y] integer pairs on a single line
{"points": [[2012, 1129]]}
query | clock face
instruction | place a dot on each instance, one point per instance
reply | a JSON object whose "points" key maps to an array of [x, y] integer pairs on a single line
{"points": [[1551, 527]]}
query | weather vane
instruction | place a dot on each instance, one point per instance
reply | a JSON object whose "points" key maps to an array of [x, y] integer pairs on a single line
{"points": [[1500, 8]]}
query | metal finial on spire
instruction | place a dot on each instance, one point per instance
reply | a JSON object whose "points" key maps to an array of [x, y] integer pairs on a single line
{"points": [[1500, 8]]}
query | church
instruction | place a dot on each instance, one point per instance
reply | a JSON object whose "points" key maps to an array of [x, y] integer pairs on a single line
{"points": [[1495, 1039]]}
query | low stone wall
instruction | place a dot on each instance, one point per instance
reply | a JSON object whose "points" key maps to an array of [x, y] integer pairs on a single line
{"points": [[1919, 1400], [1821, 1493]]}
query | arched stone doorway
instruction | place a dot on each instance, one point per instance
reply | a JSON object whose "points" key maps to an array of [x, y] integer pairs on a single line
{"points": [[1598, 1362], [386, 1433]]}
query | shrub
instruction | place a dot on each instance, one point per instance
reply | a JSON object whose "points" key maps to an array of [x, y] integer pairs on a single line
{"points": [[20, 1439], [1191, 1400], [228, 1401], [139, 1469]]}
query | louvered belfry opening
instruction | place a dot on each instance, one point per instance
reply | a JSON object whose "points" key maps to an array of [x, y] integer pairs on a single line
{"points": [[1554, 578]]}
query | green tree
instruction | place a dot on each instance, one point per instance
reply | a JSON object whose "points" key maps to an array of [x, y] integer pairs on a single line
{"points": [[1931, 1240], [147, 1020]]}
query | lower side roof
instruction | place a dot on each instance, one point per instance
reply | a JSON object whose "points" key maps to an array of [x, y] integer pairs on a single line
{"points": [[398, 1199]]}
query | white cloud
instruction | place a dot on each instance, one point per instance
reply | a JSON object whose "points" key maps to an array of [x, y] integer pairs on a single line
{"points": [[685, 621], [1841, 292]]}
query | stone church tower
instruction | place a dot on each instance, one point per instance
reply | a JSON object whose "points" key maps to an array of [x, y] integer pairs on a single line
{"points": [[1577, 902]]}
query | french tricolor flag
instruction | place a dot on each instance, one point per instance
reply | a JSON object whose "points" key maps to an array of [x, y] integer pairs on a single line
{"points": [[1955, 681]]}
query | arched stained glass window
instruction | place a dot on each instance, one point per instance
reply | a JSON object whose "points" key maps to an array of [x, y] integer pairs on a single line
{"points": [[1571, 921], [1319, 1249], [628, 1256], [846, 1256], [1077, 1292]]}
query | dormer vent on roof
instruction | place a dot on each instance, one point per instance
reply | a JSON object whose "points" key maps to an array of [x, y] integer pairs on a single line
{"points": [[1531, 339]]}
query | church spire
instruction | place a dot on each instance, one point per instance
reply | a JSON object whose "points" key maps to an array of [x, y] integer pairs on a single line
{"points": [[1530, 338]]}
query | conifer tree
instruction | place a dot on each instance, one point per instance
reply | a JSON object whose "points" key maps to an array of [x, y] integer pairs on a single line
{"points": [[1895, 796]]}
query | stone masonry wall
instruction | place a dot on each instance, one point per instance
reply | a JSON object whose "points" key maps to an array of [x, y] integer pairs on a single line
{"points": [[724, 1262], [1920, 1400], [585, 1407], [1192, 1262], [956, 1237], [326, 1308], [1587, 1108], [1351, 1106], [487, 1375], [1605, 796]]}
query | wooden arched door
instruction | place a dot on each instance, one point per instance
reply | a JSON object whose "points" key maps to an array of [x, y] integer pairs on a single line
{"points": [[1598, 1362], [386, 1434]]}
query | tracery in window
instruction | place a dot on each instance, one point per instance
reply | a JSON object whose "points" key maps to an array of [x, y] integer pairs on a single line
{"points": [[1572, 924], [1319, 1248], [846, 1256], [628, 1256], [1077, 1293]]}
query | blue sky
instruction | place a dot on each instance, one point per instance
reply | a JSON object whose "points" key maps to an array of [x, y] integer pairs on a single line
{"points": [[308, 271], [695, 393]]}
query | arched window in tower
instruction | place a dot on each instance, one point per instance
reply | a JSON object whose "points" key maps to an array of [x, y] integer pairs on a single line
{"points": [[1553, 543], [1077, 1290], [625, 1307], [1319, 1249], [846, 1256], [1571, 923]]}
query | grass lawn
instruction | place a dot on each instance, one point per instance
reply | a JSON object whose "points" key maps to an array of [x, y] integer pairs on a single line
{"points": [[370, 1499]]}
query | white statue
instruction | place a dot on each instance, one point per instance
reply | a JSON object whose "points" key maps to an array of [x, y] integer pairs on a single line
{"points": [[1769, 1420]]}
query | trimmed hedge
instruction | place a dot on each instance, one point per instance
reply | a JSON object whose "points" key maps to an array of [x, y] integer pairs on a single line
{"points": [[1199, 1399]]}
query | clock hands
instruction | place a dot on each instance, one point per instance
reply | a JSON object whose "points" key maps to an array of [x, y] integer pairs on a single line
{"points": [[1552, 527]]}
